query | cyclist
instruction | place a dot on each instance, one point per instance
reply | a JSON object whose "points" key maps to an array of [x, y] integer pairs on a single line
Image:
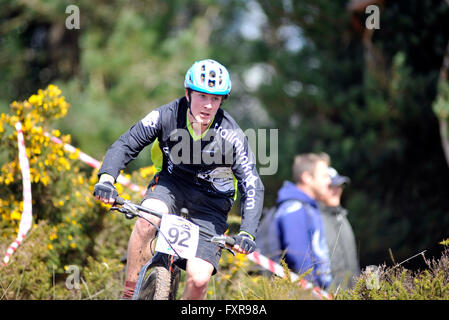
{"points": [[202, 156]]}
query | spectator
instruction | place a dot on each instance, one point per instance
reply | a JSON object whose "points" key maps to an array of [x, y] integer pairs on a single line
{"points": [[339, 234], [298, 219]]}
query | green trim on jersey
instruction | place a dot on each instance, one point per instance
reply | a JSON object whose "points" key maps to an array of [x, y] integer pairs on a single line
{"points": [[195, 138], [156, 155], [236, 182], [192, 132]]}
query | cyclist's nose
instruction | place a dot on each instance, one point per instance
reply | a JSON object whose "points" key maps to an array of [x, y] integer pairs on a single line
{"points": [[208, 104]]}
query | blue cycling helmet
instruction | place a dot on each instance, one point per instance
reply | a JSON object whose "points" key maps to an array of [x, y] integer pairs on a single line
{"points": [[208, 76]]}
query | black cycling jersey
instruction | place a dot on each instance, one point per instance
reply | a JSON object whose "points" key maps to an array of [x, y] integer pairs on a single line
{"points": [[214, 162]]}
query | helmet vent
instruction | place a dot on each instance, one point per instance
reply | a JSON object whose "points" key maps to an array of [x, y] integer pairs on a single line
{"points": [[208, 76]]}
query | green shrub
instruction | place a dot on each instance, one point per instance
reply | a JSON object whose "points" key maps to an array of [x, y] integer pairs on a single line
{"points": [[28, 276]]}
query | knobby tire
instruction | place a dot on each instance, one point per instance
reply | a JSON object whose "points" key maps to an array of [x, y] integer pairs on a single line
{"points": [[160, 284]]}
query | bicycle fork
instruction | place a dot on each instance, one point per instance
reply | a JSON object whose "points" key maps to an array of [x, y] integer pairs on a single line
{"points": [[159, 259]]}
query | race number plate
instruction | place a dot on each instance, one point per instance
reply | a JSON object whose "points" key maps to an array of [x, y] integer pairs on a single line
{"points": [[182, 235]]}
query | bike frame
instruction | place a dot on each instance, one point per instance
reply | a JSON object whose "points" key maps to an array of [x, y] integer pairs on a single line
{"points": [[131, 210]]}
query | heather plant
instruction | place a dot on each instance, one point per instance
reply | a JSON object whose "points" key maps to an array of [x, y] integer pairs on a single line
{"points": [[398, 283], [237, 279]]}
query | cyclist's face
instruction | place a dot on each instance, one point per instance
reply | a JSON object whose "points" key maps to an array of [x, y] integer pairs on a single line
{"points": [[204, 106]]}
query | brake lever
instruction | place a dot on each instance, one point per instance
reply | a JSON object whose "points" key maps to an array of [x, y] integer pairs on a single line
{"points": [[128, 215], [221, 242], [230, 250]]}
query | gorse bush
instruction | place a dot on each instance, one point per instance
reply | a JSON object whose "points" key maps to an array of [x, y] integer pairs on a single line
{"points": [[57, 183], [78, 231], [28, 275]]}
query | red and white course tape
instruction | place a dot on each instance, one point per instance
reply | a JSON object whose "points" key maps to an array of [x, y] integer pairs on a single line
{"points": [[27, 217], [95, 164], [278, 270], [25, 223]]}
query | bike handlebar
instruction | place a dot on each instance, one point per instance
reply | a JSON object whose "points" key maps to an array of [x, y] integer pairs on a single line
{"points": [[120, 201], [132, 210]]}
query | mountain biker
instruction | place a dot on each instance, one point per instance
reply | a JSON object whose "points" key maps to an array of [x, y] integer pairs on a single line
{"points": [[202, 156]]}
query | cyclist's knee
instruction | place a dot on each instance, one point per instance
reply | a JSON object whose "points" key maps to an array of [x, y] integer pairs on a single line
{"points": [[155, 205], [199, 273], [144, 227], [200, 281]]}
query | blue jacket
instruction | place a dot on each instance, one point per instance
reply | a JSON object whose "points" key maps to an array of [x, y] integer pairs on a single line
{"points": [[300, 228]]}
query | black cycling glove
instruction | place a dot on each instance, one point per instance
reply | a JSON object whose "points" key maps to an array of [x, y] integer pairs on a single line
{"points": [[245, 242], [105, 190]]}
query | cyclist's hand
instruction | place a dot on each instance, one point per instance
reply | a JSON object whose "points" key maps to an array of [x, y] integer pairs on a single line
{"points": [[244, 244], [105, 192]]}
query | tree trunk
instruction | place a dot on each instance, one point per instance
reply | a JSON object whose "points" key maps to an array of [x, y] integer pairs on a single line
{"points": [[442, 121]]}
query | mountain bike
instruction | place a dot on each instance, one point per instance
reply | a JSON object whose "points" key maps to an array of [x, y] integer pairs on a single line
{"points": [[177, 240]]}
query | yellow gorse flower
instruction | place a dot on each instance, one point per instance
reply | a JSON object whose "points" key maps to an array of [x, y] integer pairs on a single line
{"points": [[147, 171], [16, 215], [46, 159]]}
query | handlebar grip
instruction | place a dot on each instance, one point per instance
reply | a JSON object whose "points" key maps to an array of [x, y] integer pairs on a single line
{"points": [[230, 241], [120, 201]]}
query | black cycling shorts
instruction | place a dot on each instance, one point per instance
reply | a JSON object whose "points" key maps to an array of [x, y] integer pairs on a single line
{"points": [[208, 212]]}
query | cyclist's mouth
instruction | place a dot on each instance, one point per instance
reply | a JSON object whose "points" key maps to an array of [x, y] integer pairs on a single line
{"points": [[204, 115]]}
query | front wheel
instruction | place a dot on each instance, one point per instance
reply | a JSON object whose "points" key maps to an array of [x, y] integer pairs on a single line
{"points": [[156, 285], [175, 278]]}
